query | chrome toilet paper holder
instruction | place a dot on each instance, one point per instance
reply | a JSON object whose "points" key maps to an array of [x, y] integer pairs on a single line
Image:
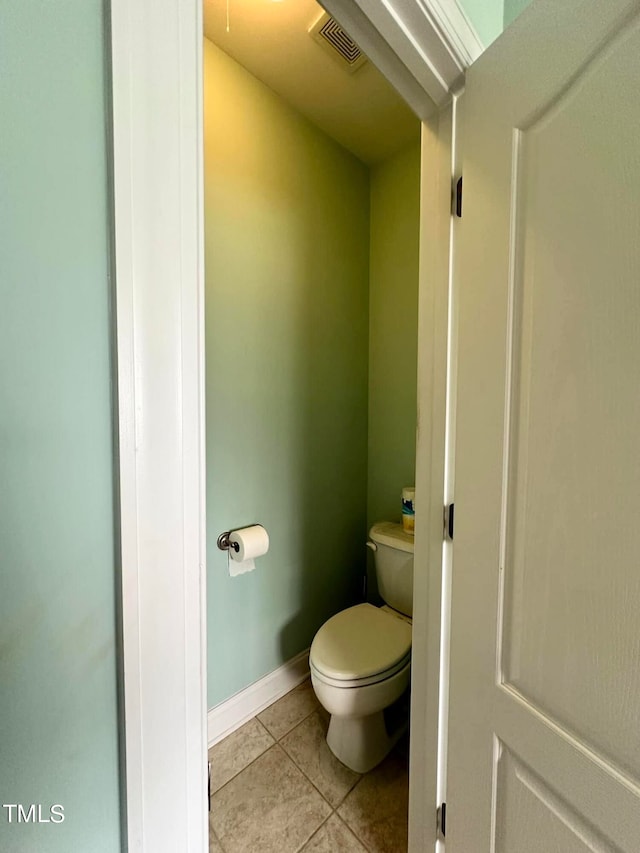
{"points": [[224, 544]]}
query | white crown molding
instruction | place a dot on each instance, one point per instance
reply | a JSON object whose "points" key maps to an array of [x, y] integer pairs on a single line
{"points": [[456, 30], [225, 718], [423, 47]]}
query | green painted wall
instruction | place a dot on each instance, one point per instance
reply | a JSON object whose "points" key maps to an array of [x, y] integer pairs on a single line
{"points": [[512, 9], [286, 252], [393, 331], [491, 17], [58, 715], [486, 17]]}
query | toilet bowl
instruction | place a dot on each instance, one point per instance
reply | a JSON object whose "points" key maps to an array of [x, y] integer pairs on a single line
{"points": [[360, 662], [360, 659]]}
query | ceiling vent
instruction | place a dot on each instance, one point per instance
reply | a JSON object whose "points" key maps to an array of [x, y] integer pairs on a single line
{"points": [[330, 35]]}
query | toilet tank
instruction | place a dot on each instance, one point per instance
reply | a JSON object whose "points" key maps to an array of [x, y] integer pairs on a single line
{"points": [[393, 556]]}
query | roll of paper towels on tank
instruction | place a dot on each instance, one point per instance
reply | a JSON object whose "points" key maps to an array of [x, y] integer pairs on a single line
{"points": [[246, 544]]}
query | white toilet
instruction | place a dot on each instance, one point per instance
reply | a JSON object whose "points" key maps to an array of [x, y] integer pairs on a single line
{"points": [[360, 659]]}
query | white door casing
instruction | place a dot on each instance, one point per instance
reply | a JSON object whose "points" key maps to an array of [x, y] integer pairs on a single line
{"points": [[544, 748], [423, 47], [433, 302], [156, 50]]}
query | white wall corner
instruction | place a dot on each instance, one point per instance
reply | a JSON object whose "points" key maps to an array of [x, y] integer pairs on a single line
{"points": [[225, 718]]}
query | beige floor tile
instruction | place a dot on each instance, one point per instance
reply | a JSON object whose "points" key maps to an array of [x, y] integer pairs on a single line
{"points": [[270, 807], [236, 751], [376, 809], [214, 844], [286, 713], [333, 837], [307, 745]]}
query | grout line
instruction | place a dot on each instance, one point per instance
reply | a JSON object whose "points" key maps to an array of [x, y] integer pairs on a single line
{"points": [[262, 726], [309, 779], [288, 732], [314, 833], [277, 742], [234, 733], [348, 826], [220, 844], [274, 745], [333, 808], [274, 739], [353, 832], [299, 723], [246, 767]]}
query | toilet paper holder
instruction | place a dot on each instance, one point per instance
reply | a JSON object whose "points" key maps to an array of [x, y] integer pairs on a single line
{"points": [[224, 544]]}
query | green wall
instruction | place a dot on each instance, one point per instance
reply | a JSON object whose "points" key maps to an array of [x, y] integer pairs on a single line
{"points": [[286, 252], [512, 9], [393, 331], [491, 17], [58, 714], [486, 17]]}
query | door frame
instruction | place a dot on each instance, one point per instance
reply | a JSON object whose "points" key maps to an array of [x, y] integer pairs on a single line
{"points": [[429, 668], [157, 127], [156, 60]]}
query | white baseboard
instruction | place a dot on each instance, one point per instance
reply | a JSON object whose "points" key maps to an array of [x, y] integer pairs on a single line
{"points": [[225, 718]]}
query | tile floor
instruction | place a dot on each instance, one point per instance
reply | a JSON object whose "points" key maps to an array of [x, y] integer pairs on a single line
{"points": [[277, 788]]}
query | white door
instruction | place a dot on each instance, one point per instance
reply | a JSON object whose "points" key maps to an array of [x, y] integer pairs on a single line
{"points": [[544, 746]]}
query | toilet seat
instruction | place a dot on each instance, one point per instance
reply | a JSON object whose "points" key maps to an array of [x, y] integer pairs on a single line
{"points": [[359, 646], [345, 683]]}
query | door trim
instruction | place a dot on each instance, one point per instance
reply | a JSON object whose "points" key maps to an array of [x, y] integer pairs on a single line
{"points": [[156, 63], [156, 58], [429, 640]]}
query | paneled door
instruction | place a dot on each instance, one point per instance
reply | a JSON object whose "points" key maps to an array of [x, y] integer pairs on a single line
{"points": [[544, 737]]}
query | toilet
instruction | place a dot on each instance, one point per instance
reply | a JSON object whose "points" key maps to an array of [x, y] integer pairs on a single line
{"points": [[360, 659]]}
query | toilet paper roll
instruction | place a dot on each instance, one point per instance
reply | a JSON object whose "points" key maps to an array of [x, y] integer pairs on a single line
{"points": [[251, 542]]}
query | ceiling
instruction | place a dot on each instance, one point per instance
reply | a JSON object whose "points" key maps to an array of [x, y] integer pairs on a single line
{"points": [[270, 39]]}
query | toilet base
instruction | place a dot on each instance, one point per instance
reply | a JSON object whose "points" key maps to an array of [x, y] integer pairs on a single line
{"points": [[361, 743]]}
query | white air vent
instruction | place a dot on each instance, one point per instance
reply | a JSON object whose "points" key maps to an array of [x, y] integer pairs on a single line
{"points": [[330, 35]]}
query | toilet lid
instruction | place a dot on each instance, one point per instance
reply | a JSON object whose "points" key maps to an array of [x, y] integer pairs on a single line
{"points": [[359, 642]]}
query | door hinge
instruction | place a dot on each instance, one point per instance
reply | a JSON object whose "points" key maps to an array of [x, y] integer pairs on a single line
{"points": [[458, 198], [442, 819], [448, 522]]}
